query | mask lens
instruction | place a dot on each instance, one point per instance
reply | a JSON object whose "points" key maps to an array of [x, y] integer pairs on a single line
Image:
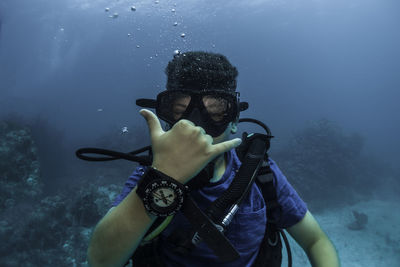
{"points": [[172, 105], [216, 106]]}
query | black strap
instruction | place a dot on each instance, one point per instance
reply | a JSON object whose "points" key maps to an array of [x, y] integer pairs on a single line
{"points": [[213, 237], [208, 231], [271, 246], [266, 184], [147, 255]]}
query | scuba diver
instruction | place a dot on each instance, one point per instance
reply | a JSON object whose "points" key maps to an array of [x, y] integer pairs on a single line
{"points": [[201, 198]]}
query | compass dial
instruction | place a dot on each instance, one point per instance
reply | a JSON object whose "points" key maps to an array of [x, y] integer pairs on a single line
{"points": [[164, 196]]}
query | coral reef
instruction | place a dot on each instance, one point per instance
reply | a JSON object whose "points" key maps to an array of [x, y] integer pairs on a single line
{"points": [[327, 166], [56, 230], [19, 166], [38, 229]]}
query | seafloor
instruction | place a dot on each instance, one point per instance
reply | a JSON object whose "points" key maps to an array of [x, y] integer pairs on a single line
{"points": [[376, 245]]}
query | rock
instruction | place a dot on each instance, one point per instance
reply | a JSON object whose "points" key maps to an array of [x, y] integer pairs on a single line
{"points": [[361, 220]]}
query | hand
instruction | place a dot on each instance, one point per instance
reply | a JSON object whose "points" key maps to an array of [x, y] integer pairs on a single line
{"points": [[184, 150]]}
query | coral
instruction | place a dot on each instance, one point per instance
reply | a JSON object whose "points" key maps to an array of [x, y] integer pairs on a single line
{"points": [[55, 230], [38, 229], [19, 165], [327, 166]]}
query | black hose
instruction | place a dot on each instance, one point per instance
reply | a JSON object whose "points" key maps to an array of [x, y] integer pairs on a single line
{"points": [[288, 250], [112, 155]]}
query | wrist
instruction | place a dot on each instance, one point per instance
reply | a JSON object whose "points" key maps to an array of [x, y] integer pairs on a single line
{"points": [[170, 172]]}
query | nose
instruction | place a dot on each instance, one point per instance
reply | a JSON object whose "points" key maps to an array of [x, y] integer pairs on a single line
{"points": [[195, 117]]}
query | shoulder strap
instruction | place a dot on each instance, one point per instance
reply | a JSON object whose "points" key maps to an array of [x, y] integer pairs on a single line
{"points": [[265, 182], [271, 248]]}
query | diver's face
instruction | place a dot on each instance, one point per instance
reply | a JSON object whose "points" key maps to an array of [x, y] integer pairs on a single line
{"points": [[214, 108]]}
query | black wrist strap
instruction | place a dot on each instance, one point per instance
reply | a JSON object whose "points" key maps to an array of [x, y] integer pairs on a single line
{"points": [[155, 174]]}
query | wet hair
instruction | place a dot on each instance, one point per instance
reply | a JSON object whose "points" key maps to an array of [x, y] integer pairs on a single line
{"points": [[200, 70]]}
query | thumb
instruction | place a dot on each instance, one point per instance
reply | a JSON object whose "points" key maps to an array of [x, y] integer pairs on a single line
{"points": [[226, 146], [153, 122]]}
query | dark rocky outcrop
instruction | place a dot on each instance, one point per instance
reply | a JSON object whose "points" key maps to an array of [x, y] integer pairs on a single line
{"points": [[38, 229], [19, 166], [360, 221], [327, 166]]}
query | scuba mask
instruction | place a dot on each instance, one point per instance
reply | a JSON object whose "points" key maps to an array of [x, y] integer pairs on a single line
{"points": [[212, 110]]}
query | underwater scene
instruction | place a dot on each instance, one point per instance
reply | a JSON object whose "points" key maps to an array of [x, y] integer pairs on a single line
{"points": [[321, 77]]}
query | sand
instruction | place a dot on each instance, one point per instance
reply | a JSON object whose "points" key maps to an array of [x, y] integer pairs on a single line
{"points": [[378, 244]]}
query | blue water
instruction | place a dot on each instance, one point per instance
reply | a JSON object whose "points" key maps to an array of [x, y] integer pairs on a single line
{"points": [[82, 67]]}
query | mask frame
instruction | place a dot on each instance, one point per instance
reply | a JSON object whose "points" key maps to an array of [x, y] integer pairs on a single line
{"points": [[196, 111]]}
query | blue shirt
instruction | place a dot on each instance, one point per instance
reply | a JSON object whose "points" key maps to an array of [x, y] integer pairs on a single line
{"points": [[247, 228]]}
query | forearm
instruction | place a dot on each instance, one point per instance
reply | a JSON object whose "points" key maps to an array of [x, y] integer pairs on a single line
{"points": [[119, 233], [323, 254]]}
